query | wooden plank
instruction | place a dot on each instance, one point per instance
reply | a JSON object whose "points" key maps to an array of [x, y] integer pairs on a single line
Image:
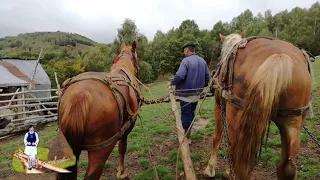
{"points": [[29, 99], [30, 91], [23, 103], [13, 114], [28, 105], [39, 122], [185, 151], [12, 98], [34, 117], [20, 111]]}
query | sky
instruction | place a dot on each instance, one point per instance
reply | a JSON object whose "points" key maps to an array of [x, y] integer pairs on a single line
{"points": [[99, 19]]}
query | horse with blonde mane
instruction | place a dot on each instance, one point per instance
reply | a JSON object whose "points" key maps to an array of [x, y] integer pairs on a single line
{"points": [[97, 109], [260, 80]]}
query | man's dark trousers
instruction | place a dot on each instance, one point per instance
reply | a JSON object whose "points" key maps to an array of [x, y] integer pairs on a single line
{"points": [[187, 113]]}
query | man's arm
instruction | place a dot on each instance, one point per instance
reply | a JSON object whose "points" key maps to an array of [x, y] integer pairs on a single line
{"points": [[207, 77], [181, 73]]}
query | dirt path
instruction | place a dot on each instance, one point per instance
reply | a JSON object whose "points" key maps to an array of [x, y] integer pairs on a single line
{"points": [[159, 151]]}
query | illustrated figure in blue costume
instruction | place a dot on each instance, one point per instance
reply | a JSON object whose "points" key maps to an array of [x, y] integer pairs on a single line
{"points": [[31, 140]]}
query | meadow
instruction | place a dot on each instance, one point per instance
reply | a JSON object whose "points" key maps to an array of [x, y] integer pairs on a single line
{"points": [[153, 143]]}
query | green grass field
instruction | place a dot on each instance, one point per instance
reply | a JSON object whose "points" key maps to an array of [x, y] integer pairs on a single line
{"points": [[157, 134]]}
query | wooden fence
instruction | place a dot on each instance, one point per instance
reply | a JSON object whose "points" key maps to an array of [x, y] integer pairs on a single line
{"points": [[22, 108]]}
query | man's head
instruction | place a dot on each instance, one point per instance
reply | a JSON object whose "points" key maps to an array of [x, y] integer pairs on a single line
{"points": [[31, 128], [189, 48]]}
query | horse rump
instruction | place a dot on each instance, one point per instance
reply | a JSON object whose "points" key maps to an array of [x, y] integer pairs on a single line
{"points": [[269, 81]]}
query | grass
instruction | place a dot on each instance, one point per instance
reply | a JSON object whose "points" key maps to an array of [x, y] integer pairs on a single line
{"points": [[154, 130]]}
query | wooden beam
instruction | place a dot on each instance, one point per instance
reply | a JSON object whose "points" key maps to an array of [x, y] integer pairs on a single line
{"points": [[12, 98], [185, 151], [30, 91], [27, 112], [28, 105], [28, 99]]}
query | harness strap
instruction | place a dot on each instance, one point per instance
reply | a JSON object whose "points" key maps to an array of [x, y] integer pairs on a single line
{"points": [[239, 103], [108, 142]]}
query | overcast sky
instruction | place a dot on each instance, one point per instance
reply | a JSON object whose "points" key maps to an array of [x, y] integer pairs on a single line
{"points": [[99, 19]]}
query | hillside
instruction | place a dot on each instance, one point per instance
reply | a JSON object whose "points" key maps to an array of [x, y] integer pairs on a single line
{"points": [[55, 45]]}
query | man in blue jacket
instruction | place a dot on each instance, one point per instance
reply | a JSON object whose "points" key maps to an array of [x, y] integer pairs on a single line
{"points": [[192, 74]]}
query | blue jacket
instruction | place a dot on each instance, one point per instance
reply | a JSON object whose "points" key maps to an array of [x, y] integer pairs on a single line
{"points": [[193, 73]]}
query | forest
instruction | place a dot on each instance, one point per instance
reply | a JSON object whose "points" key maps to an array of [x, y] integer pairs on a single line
{"points": [[69, 54]]}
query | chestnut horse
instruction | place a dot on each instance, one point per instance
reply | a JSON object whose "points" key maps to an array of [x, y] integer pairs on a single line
{"points": [[260, 80], [97, 109]]}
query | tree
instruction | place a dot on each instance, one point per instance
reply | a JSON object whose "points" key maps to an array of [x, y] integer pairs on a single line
{"points": [[128, 31]]}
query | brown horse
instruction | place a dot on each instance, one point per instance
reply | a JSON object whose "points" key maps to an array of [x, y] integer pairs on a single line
{"points": [[97, 109], [260, 80]]}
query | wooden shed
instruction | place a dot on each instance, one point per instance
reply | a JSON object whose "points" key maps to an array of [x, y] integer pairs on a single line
{"points": [[25, 95]]}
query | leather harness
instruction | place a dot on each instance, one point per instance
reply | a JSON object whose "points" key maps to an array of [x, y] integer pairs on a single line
{"points": [[114, 81], [225, 90]]}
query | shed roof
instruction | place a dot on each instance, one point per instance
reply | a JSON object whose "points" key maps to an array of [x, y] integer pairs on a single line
{"points": [[28, 68], [21, 72], [8, 79]]}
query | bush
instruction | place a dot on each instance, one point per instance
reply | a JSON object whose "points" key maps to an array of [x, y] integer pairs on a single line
{"points": [[145, 72]]}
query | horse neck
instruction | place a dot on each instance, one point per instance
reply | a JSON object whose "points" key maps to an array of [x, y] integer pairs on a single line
{"points": [[124, 64]]}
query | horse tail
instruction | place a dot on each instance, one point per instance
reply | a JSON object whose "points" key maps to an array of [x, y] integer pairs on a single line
{"points": [[270, 80], [74, 114]]}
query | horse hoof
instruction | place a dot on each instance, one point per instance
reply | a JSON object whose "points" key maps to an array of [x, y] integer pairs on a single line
{"points": [[226, 173], [122, 175], [209, 172]]}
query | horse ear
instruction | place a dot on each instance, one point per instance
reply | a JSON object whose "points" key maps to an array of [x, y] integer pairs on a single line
{"points": [[222, 37], [243, 35], [134, 45], [123, 45]]}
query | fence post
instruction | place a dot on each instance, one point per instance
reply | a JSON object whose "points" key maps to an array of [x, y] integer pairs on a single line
{"points": [[21, 109]]}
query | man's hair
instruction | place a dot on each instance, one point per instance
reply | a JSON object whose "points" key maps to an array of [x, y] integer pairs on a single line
{"points": [[191, 48], [30, 126]]}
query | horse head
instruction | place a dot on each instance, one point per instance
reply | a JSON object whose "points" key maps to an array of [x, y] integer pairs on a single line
{"points": [[127, 58]]}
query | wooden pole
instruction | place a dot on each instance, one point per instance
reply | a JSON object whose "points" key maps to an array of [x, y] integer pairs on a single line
{"points": [[12, 98], [185, 151]]}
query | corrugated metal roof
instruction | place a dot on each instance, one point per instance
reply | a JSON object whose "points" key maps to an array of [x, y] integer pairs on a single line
{"points": [[16, 72], [28, 68], [8, 79]]}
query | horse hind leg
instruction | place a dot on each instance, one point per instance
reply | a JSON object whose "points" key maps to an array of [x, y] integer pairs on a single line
{"points": [[96, 162], [290, 131], [210, 172]]}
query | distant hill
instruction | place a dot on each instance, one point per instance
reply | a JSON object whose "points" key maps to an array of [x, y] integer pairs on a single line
{"points": [[55, 45]]}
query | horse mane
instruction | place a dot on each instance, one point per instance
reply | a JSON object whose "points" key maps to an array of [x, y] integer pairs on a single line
{"points": [[229, 42]]}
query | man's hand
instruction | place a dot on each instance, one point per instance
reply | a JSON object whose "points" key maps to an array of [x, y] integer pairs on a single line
{"points": [[169, 84], [28, 143], [33, 144]]}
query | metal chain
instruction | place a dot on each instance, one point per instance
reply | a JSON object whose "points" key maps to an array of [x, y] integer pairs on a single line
{"points": [[226, 137], [312, 136]]}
